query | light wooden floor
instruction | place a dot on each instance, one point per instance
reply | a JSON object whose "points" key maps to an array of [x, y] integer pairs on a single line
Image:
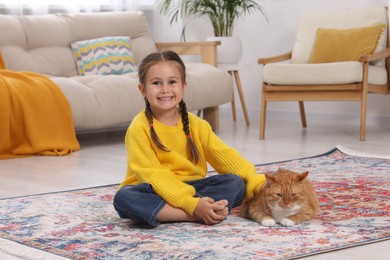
{"points": [[102, 161]]}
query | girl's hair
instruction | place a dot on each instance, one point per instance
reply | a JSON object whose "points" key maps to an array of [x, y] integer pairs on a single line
{"points": [[148, 62]]}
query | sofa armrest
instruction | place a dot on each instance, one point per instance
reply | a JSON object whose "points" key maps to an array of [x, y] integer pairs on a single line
{"points": [[278, 58], [206, 50], [385, 53]]}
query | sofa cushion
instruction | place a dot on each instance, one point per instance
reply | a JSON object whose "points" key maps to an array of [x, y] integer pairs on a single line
{"points": [[333, 45], [37, 43], [12, 31], [102, 101], [341, 73], [51, 60], [104, 56]]}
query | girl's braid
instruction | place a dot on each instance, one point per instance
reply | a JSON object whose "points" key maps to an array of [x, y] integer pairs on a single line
{"points": [[157, 141], [186, 128]]}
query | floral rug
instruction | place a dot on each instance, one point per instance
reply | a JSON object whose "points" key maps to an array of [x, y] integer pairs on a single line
{"points": [[354, 193]]}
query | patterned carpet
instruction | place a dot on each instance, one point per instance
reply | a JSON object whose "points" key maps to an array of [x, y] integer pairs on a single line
{"points": [[354, 194]]}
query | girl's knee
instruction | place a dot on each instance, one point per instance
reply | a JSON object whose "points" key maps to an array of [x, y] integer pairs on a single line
{"points": [[120, 195], [124, 199]]}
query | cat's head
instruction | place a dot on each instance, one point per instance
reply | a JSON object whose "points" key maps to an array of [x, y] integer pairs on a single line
{"points": [[285, 188]]}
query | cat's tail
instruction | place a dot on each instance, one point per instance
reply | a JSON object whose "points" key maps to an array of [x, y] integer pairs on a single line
{"points": [[244, 208]]}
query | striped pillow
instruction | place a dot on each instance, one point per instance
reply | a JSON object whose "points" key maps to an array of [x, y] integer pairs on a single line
{"points": [[104, 56]]}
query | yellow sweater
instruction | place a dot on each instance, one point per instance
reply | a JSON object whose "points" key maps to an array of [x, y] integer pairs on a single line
{"points": [[167, 172]]}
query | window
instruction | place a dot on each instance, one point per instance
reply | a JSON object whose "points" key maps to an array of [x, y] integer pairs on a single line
{"points": [[70, 6]]}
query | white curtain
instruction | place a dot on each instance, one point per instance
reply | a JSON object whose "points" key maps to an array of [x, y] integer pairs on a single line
{"points": [[27, 7]]}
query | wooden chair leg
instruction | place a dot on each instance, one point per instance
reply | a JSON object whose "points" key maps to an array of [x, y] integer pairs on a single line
{"points": [[303, 115], [263, 111], [211, 115], [363, 108], [363, 121], [233, 102], [241, 94]]}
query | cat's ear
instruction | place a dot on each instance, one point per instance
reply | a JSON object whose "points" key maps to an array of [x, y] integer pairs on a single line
{"points": [[302, 175], [269, 179]]}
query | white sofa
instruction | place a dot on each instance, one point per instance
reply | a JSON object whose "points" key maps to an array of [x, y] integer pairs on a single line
{"points": [[42, 44]]}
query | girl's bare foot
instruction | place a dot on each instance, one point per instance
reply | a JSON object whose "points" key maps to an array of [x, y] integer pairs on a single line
{"points": [[225, 211]]}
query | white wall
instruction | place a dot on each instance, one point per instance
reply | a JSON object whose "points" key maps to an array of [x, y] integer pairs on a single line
{"points": [[261, 39]]}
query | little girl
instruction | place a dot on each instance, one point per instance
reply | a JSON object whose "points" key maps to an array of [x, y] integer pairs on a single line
{"points": [[168, 150]]}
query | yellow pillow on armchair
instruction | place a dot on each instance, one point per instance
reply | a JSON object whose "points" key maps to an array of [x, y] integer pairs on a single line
{"points": [[334, 45]]}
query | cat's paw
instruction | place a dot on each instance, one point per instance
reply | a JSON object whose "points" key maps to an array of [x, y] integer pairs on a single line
{"points": [[287, 222], [269, 222]]}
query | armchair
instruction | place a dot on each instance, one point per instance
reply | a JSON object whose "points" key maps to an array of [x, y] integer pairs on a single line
{"points": [[321, 69]]}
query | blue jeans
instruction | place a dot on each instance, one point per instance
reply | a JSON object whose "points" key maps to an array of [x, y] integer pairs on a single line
{"points": [[141, 204]]}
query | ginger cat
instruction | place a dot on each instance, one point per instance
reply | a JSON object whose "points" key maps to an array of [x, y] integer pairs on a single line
{"points": [[287, 198]]}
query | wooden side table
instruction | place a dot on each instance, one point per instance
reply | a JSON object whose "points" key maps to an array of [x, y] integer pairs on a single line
{"points": [[233, 70]]}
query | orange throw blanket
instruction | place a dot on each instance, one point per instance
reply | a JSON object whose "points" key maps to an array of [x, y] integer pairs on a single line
{"points": [[35, 117]]}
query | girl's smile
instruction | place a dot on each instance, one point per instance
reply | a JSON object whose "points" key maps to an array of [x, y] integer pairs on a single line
{"points": [[165, 98]]}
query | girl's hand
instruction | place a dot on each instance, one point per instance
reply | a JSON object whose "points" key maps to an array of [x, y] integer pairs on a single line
{"points": [[211, 212]]}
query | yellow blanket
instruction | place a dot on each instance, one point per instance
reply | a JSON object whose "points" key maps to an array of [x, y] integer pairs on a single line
{"points": [[35, 116]]}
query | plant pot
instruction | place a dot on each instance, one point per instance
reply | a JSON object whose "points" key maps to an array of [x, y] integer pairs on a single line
{"points": [[230, 50]]}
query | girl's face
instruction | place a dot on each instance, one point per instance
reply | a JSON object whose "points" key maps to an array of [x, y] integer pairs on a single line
{"points": [[163, 87]]}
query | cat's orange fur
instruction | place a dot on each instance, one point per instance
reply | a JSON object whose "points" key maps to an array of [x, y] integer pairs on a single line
{"points": [[287, 198]]}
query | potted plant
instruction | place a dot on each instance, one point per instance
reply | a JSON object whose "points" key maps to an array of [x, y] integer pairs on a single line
{"points": [[223, 15]]}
